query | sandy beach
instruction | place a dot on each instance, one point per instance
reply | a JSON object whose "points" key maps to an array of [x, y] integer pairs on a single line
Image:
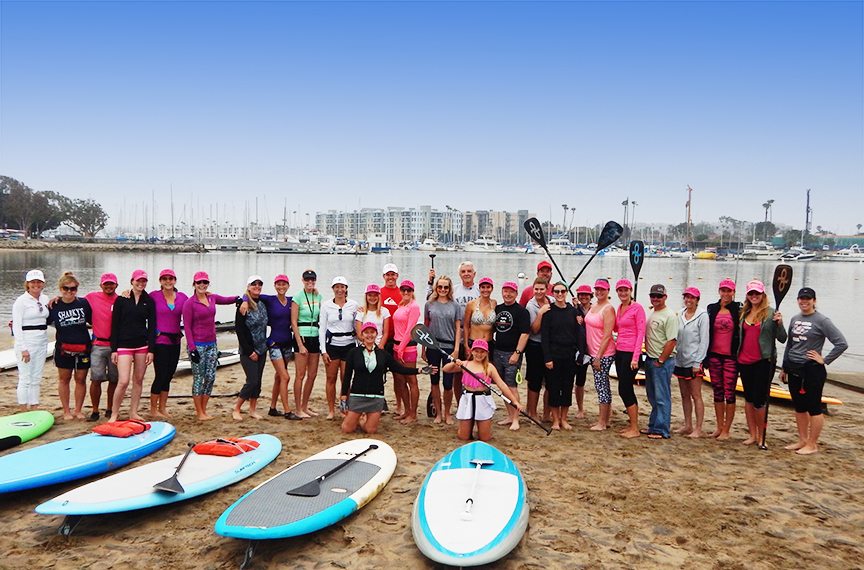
{"points": [[597, 500]]}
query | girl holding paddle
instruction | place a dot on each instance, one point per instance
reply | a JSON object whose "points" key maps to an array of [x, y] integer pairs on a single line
{"points": [[760, 327], [630, 322], [476, 404], [804, 368], [723, 341]]}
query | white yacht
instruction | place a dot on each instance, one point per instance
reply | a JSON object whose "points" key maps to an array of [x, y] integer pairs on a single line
{"points": [[760, 251], [483, 244], [429, 244], [852, 253]]}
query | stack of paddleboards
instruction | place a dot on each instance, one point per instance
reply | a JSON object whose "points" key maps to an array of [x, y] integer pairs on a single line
{"points": [[18, 428], [8, 359], [134, 488], [77, 457], [472, 508]]}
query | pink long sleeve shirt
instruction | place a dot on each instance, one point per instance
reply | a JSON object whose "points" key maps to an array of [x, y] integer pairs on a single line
{"points": [[631, 329], [199, 320]]}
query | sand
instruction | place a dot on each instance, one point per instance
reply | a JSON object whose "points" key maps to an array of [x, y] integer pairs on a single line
{"points": [[597, 500]]}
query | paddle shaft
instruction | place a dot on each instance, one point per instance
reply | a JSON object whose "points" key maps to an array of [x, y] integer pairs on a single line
{"points": [[172, 484], [780, 284], [535, 229], [610, 234], [311, 489], [469, 502], [345, 464]]}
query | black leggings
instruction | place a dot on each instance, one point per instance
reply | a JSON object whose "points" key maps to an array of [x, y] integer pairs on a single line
{"points": [[254, 370], [626, 377], [435, 358], [755, 378], [805, 386], [165, 357]]}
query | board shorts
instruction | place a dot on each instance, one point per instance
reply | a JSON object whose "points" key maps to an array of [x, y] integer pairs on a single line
{"points": [[507, 371], [479, 406], [101, 367], [809, 379], [281, 351], [77, 361]]}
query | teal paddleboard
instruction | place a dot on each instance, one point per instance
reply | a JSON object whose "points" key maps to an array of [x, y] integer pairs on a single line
{"points": [[18, 428]]}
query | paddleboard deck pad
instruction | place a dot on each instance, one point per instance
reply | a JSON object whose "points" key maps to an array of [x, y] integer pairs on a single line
{"points": [[133, 489], [267, 511], [450, 531], [78, 457], [18, 428]]}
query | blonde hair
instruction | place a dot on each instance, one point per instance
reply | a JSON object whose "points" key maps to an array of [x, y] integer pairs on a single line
{"points": [[759, 312], [377, 305], [66, 278], [252, 303], [449, 291]]}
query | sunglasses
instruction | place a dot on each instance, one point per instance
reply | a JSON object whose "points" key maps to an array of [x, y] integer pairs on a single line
{"points": [[257, 283], [41, 308], [340, 313], [656, 296], [444, 287], [65, 288], [559, 291], [202, 283], [753, 293], [404, 289], [167, 277]]}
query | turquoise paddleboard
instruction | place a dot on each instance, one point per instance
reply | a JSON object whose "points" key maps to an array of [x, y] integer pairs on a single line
{"points": [[18, 428]]}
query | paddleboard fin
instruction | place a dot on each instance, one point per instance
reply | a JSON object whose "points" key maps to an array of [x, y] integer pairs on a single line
{"points": [[70, 523], [250, 552]]}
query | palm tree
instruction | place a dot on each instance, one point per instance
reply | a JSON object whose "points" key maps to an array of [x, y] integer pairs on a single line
{"points": [[859, 229]]}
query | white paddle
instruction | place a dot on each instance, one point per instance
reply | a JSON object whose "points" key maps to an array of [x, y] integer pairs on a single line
{"points": [[469, 502]]}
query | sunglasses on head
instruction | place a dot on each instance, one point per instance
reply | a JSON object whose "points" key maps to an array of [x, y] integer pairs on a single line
{"points": [[65, 288]]}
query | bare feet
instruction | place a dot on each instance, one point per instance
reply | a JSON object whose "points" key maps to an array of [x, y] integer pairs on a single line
{"points": [[331, 415], [255, 416], [114, 418], [556, 427], [504, 422], [795, 446], [303, 414], [312, 413], [716, 433], [749, 441], [515, 426], [68, 416], [448, 420], [80, 416], [136, 417], [807, 450], [580, 414], [598, 427], [566, 426], [400, 416], [236, 415], [723, 435], [630, 433], [205, 417], [546, 419], [408, 420], [684, 430], [437, 420], [158, 414], [697, 433]]}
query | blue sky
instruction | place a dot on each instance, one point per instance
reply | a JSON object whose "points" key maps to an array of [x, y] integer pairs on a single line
{"points": [[476, 105]]}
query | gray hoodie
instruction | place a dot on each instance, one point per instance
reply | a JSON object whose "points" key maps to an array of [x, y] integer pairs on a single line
{"points": [[693, 334]]}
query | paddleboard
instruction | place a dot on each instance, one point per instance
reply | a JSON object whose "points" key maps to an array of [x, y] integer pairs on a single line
{"points": [[77, 457], [268, 512], [460, 523], [133, 489], [18, 428], [8, 360], [225, 358], [780, 392]]}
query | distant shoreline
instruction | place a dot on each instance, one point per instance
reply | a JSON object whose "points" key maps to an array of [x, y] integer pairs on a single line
{"points": [[37, 244]]}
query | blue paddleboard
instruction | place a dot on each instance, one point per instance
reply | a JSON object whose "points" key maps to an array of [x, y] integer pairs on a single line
{"points": [[77, 457], [472, 508]]}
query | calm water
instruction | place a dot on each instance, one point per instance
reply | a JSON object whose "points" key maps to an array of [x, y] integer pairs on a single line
{"points": [[839, 286]]}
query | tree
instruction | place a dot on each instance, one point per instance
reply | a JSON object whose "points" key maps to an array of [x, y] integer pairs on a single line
{"points": [[33, 212], [859, 229], [766, 229], [86, 217]]}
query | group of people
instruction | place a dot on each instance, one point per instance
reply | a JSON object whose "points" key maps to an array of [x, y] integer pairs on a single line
{"points": [[482, 343]]}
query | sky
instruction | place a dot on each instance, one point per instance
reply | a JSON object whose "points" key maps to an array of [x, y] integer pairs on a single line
{"points": [[475, 105]]}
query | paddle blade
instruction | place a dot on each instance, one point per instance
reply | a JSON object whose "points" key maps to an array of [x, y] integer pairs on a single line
{"points": [[782, 282], [535, 230], [171, 485], [610, 234], [637, 256], [310, 489], [422, 335]]}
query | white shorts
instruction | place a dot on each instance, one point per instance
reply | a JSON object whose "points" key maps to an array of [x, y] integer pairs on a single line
{"points": [[485, 407]]}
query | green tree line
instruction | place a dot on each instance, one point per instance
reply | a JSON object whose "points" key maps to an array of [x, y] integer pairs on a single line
{"points": [[25, 209]]}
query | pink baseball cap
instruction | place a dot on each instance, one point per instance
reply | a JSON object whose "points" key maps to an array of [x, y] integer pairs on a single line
{"points": [[756, 285], [168, 272], [693, 291], [480, 343], [281, 277], [369, 325], [626, 283], [543, 264], [728, 284], [200, 276], [511, 285], [139, 274], [584, 289], [108, 278], [372, 288], [407, 284], [601, 284], [485, 280]]}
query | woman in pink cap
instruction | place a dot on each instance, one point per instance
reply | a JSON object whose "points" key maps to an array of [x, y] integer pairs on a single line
{"points": [[199, 322], [476, 404], [723, 340], [760, 327], [133, 341], [407, 315], [690, 351], [599, 324], [480, 317], [371, 311], [169, 310], [630, 323], [584, 295]]}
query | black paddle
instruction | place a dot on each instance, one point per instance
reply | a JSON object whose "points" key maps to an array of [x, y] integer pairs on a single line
{"points": [[535, 230], [313, 487], [432, 257], [610, 234], [423, 335], [781, 283], [637, 258], [172, 485]]}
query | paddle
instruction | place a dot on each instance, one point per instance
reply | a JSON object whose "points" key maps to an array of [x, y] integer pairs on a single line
{"points": [[313, 487], [782, 281], [610, 234], [432, 257], [172, 485], [423, 335], [535, 230], [469, 502], [637, 258]]}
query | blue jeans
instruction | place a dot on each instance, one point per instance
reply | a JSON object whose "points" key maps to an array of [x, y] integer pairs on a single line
{"points": [[658, 388]]}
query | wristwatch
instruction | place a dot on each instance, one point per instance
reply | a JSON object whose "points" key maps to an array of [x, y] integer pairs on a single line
{"points": [[518, 351]]}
